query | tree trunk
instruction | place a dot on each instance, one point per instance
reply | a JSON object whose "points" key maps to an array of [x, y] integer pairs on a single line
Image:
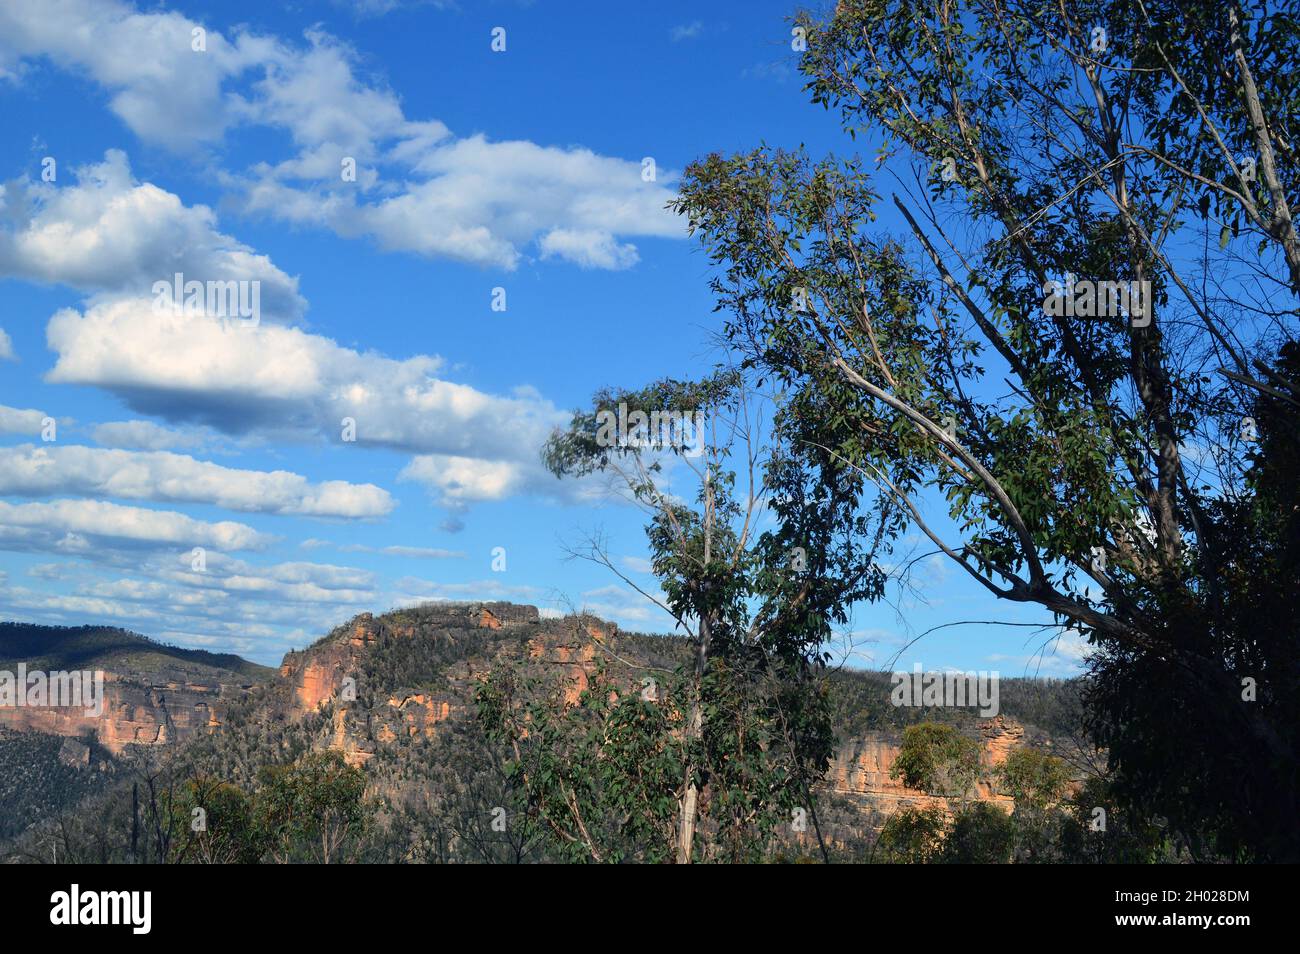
{"points": [[694, 731], [695, 728]]}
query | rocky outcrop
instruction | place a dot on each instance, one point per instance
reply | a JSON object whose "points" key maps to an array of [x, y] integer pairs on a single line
{"points": [[317, 675], [138, 709], [74, 753], [566, 651], [328, 674], [861, 768]]}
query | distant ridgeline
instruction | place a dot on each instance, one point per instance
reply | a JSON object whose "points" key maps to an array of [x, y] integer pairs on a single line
{"points": [[104, 647]]}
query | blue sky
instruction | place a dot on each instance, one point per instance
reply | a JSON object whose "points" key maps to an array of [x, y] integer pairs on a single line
{"points": [[476, 170]]}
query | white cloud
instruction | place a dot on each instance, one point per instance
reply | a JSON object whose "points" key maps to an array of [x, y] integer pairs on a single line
{"points": [[464, 479], [413, 590], [110, 235], [1073, 646], [482, 202], [6, 347], [624, 605], [88, 607], [284, 381], [75, 526], [418, 188], [225, 580], [161, 476], [778, 71], [1063, 656], [378, 8], [590, 248], [158, 84], [233, 606], [145, 435], [420, 553], [15, 420], [417, 553]]}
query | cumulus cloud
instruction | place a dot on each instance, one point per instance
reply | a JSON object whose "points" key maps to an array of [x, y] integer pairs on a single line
{"points": [[284, 380], [6, 347], [110, 235], [465, 479], [166, 477], [145, 435], [481, 202], [76, 526], [15, 420], [590, 248], [417, 187], [158, 84]]}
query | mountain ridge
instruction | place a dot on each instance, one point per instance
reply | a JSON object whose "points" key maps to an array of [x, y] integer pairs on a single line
{"points": [[394, 694]]}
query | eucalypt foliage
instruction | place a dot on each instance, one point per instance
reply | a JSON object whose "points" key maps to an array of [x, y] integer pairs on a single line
{"points": [[722, 760]]}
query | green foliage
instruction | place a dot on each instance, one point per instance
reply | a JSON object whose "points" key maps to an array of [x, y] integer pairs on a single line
{"points": [[937, 759], [981, 834], [1099, 829], [36, 784], [215, 824], [758, 607], [1034, 779], [912, 836], [311, 806], [599, 777], [930, 365]]}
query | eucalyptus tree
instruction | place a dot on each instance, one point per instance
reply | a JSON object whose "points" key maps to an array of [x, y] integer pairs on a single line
{"points": [[759, 543], [1053, 298]]}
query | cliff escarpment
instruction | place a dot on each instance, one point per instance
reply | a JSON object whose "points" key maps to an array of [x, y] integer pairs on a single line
{"points": [[395, 695]]}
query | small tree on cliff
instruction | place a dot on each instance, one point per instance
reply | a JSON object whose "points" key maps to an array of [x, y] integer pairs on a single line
{"points": [[937, 759]]}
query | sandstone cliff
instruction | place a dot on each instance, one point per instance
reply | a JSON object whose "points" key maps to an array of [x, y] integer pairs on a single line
{"points": [[316, 678], [153, 694], [378, 683], [366, 713], [861, 768]]}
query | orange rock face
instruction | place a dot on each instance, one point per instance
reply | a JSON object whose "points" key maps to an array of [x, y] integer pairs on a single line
{"points": [[135, 712], [315, 677], [861, 768]]}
